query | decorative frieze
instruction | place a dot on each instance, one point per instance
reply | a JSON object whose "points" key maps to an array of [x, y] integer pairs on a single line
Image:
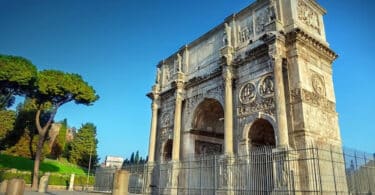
{"points": [[192, 101], [207, 148], [308, 16], [166, 120], [266, 105], [166, 133], [216, 92], [313, 99], [299, 36], [264, 17]]}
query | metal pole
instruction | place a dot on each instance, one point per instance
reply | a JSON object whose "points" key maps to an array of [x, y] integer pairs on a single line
{"points": [[88, 171], [333, 170], [366, 169]]}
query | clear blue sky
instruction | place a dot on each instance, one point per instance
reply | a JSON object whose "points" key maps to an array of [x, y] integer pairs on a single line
{"points": [[115, 46]]}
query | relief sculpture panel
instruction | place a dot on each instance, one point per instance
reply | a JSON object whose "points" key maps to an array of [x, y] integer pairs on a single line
{"points": [[308, 16], [251, 102]]}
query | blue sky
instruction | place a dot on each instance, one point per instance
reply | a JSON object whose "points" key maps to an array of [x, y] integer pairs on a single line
{"points": [[115, 46]]}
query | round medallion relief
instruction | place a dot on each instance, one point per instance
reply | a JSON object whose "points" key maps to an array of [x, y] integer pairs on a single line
{"points": [[247, 93], [318, 85], [165, 120], [266, 86]]}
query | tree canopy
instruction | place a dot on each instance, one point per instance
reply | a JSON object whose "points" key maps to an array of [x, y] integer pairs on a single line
{"points": [[17, 75], [84, 145], [49, 88], [57, 87]]}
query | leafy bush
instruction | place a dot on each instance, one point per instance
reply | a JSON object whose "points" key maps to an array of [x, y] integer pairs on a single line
{"points": [[10, 174], [54, 179]]}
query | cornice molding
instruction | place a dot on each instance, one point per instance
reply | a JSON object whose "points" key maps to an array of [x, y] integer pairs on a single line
{"points": [[299, 36]]}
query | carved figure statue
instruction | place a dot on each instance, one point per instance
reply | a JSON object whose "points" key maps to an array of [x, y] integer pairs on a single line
{"points": [[248, 93], [158, 75], [267, 86], [228, 30], [179, 63]]}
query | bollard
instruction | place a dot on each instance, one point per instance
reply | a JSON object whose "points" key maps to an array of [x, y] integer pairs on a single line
{"points": [[15, 187], [120, 183], [71, 182], [3, 186], [43, 183]]}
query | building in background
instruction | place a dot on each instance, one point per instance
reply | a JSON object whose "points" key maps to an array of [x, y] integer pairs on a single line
{"points": [[113, 162]]}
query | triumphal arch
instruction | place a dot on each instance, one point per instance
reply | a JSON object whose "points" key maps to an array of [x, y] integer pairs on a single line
{"points": [[262, 78]]}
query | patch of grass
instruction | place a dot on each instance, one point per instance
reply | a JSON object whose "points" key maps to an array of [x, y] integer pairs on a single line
{"points": [[48, 165]]}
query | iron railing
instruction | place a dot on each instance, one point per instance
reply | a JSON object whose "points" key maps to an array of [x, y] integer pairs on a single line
{"points": [[265, 170]]}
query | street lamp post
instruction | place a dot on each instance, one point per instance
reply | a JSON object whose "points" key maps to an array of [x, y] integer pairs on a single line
{"points": [[88, 170]]}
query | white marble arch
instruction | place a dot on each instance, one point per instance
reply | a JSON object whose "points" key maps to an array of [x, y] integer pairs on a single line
{"points": [[187, 141], [243, 144]]}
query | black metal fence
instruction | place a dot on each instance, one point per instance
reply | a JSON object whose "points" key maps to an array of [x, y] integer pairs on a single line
{"points": [[309, 170]]}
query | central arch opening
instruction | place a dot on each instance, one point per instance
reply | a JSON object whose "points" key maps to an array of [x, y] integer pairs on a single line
{"points": [[261, 142], [208, 128], [262, 134]]}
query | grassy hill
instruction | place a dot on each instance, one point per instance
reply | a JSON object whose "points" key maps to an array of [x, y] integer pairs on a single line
{"points": [[48, 165], [19, 167]]}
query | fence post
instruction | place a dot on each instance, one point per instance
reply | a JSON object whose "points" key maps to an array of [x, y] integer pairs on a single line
{"points": [[320, 175], [215, 174], [315, 169], [333, 170], [355, 168], [43, 183], [368, 177], [71, 182], [120, 183]]}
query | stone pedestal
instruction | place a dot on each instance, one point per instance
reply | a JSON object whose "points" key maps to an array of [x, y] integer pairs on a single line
{"points": [[121, 183], [71, 182], [3, 186], [284, 169], [43, 183], [15, 187]]}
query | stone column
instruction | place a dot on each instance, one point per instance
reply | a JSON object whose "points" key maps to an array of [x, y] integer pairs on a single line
{"points": [[228, 112], [120, 183], [154, 119], [177, 133], [282, 133], [177, 117]]}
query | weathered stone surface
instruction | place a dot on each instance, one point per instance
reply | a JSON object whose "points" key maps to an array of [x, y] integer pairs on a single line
{"points": [[120, 183], [3, 186], [43, 183], [15, 187], [270, 64]]}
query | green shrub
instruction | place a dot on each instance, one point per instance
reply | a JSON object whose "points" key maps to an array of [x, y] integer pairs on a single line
{"points": [[54, 179], [9, 174]]}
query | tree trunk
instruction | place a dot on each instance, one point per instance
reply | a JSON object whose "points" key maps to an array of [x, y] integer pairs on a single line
{"points": [[38, 154], [43, 132]]}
